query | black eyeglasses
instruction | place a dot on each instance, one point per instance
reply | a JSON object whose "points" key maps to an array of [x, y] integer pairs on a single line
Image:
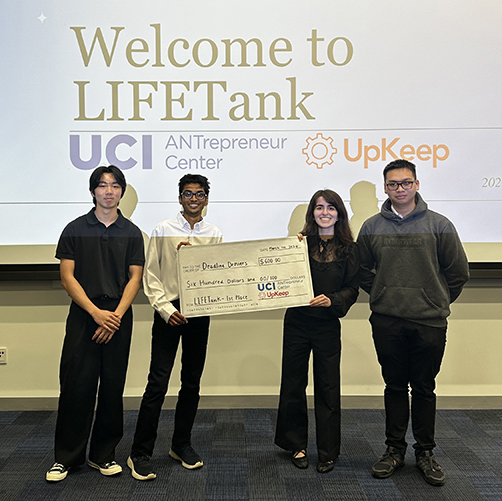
{"points": [[393, 185], [199, 195]]}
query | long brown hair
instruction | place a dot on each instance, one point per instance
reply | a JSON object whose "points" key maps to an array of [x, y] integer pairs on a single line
{"points": [[343, 234]]}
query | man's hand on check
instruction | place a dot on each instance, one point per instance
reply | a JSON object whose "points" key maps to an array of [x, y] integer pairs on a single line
{"points": [[321, 300], [181, 244]]}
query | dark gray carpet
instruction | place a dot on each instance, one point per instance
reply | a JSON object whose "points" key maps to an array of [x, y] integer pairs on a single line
{"points": [[241, 462]]}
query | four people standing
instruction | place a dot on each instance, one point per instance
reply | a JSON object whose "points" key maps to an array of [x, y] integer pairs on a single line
{"points": [[412, 264]]}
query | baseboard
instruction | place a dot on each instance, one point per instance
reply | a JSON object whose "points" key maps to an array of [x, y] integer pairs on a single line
{"points": [[258, 402]]}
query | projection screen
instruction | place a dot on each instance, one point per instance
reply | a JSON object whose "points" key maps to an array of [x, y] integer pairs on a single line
{"points": [[271, 100]]}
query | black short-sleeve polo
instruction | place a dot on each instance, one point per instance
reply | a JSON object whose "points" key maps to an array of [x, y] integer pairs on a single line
{"points": [[102, 254]]}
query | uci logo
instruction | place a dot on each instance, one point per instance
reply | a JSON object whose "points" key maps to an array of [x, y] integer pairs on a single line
{"points": [[269, 286]]}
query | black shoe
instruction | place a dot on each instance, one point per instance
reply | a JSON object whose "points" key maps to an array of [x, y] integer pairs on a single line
{"points": [[301, 462], [390, 461], [141, 468], [432, 472], [57, 473], [107, 469], [325, 466], [188, 457]]}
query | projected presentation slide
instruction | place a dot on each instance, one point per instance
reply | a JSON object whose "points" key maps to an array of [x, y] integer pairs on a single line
{"points": [[271, 100]]}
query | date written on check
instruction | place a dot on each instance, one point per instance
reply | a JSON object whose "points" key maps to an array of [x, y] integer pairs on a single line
{"points": [[244, 276]]}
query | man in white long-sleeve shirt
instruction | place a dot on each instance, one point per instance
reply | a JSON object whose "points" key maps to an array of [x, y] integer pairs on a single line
{"points": [[160, 282]]}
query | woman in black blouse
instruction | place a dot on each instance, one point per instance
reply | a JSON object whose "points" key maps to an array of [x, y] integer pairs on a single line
{"points": [[334, 264]]}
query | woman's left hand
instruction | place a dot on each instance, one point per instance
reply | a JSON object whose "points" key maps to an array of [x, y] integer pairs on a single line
{"points": [[321, 300]]}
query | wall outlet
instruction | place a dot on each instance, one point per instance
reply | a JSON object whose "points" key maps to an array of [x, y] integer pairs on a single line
{"points": [[3, 355]]}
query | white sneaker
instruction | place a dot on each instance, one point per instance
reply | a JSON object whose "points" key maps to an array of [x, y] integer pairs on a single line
{"points": [[56, 473], [108, 469]]}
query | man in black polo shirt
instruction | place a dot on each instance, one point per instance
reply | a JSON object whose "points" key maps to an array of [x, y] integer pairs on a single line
{"points": [[102, 260]]}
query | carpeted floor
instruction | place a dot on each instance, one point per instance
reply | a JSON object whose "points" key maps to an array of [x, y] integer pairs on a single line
{"points": [[241, 462]]}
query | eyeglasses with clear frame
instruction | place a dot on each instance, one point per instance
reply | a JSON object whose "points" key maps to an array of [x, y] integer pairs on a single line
{"points": [[394, 185], [199, 195]]}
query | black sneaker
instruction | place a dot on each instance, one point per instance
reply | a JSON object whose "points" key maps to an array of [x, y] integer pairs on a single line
{"points": [[56, 473], [107, 469], [390, 461], [141, 468], [188, 457], [432, 472]]}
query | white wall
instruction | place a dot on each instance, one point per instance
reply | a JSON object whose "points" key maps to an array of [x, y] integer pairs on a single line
{"points": [[244, 353]]}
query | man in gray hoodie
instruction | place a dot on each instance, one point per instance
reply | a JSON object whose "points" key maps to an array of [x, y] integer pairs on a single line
{"points": [[413, 267]]}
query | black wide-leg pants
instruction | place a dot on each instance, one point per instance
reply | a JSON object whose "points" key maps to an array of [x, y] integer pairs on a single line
{"points": [[410, 355], [85, 365], [304, 334], [165, 341]]}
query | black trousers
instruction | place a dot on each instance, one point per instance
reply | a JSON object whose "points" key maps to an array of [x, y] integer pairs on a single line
{"points": [[410, 355], [304, 334], [84, 365], [165, 341]]}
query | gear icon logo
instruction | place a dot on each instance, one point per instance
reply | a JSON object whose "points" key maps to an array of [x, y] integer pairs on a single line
{"points": [[319, 150]]}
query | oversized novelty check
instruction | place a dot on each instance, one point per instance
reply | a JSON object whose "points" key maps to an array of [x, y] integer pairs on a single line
{"points": [[244, 276]]}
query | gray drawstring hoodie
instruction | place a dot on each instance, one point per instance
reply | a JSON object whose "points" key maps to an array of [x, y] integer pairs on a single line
{"points": [[412, 267]]}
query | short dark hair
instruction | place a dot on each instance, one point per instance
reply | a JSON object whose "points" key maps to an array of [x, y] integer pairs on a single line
{"points": [[194, 179], [97, 174], [400, 164], [343, 234]]}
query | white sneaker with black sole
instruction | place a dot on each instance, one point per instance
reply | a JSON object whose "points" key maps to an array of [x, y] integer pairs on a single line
{"points": [[107, 469], [57, 473]]}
